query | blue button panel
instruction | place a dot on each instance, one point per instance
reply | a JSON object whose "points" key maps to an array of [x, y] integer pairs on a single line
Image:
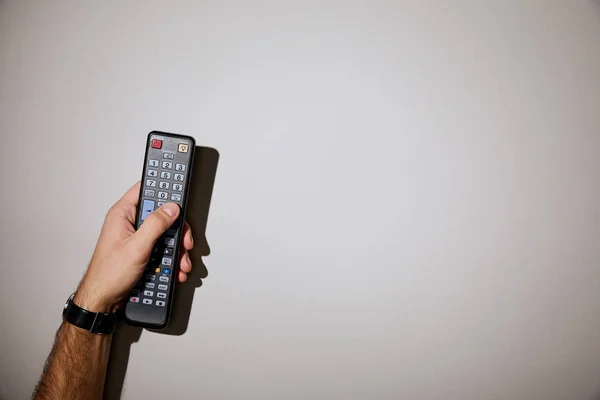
{"points": [[166, 270], [147, 208]]}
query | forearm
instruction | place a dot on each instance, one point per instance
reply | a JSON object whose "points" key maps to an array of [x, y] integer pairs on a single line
{"points": [[76, 367]]}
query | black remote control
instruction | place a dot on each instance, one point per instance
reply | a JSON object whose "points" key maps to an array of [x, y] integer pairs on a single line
{"points": [[165, 177]]}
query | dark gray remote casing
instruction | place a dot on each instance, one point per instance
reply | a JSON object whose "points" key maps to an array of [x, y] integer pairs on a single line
{"points": [[153, 315]]}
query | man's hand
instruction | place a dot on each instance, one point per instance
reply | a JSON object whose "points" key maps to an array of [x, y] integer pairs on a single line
{"points": [[122, 253], [76, 367]]}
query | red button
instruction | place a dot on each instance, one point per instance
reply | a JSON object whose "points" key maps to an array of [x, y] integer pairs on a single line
{"points": [[156, 144]]}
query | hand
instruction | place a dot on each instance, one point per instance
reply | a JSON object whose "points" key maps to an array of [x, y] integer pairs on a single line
{"points": [[122, 253]]}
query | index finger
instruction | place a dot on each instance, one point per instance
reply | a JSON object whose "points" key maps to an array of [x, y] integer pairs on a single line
{"points": [[127, 205], [132, 196]]}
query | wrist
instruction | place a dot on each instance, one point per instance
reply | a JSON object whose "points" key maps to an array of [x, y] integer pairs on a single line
{"points": [[91, 300], [82, 333]]}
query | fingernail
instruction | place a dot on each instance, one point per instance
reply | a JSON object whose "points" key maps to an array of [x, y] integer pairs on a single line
{"points": [[171, 209]]}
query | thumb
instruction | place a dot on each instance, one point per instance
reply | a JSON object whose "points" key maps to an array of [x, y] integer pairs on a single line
{"points": [[155, 225]]}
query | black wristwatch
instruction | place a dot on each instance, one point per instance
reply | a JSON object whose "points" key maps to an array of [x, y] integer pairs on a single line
{"points": [[98, 323]]}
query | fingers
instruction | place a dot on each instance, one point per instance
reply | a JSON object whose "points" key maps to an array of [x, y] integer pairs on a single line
{"points": [[132, 196], [182, 277], [185, 265], [154, 226], [127, 205], [188, 240]]}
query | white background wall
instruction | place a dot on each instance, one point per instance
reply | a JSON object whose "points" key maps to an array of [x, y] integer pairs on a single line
{"points": [[406, 206]]}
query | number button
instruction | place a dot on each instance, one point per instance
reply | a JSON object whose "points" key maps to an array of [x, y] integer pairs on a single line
{"points": [[150, 182], [167, 164], [165, 175], [178, 177], [152, 173], [163, 185], [153, 163], [163, 195], [180, 167], [178, 187], [176, 197], [168, 156]]}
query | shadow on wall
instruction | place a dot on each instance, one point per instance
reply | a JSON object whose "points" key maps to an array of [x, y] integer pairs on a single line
{"points": [[201, 188]]}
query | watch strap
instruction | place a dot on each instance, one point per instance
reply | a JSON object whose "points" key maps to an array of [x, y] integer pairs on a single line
{"points": [[98, 323]]}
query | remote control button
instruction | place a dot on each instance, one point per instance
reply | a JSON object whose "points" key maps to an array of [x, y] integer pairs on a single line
{"points": [[163, 195], [170, 241], [162, 287], [149, 193], [163, 278], [176, 197], [178, 177], [160, 303], [163, 185], [134, 299], [148, 206], [160, 203], [157, 270], [166, 261], [168, 156], [151, 277], [149, 293], [178, 187], [147, 301], [149, 285], [161, 295], [153, 163], [183, 148], [169, 251], [150, 183], [180, 167], [156, 144], [166, 271], [152, 173], [167, 164], [165, 175]]}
